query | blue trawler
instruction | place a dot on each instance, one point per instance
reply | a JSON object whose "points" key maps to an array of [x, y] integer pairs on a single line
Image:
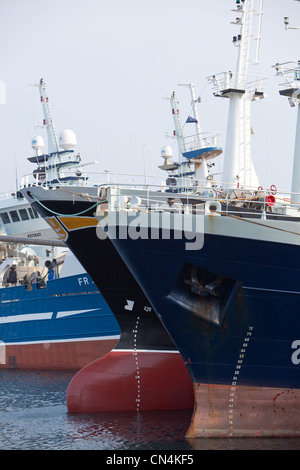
{"points": [[225, 281], [58, 323], [52, 316]]}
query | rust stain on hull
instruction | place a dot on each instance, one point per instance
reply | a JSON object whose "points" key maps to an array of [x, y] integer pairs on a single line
{"points": [[244, 411]]}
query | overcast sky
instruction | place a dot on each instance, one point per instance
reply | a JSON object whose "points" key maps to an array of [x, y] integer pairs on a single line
{"points": [[108, 65]]}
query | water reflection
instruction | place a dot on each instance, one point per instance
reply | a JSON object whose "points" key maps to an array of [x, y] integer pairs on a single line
{"points": [[131, 430], [33, 415], [27, 389]]}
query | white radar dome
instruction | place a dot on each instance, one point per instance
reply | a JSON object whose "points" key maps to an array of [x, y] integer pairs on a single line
{"points": [[37, 142], [167, 152], [28, 251], [67, 140]]}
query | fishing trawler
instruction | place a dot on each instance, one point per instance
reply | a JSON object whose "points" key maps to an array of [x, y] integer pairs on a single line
{"points": [[225, 280], [52, 315]]}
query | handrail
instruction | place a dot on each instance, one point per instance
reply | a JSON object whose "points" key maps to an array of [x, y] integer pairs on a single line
{"points": [[179, 186]]}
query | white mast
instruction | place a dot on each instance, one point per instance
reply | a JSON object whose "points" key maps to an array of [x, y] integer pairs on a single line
{"points": [[198, 148], [238, 166], [290, 71], [200, 168], [195, 108], [57, 165], [48, 120], [177, 123]]}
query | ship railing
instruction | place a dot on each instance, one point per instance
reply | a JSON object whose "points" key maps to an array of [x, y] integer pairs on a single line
{"points": [[91, 178], [250, 202], [255, 200], [225, 81], [201, 141], [39, 179], [290, 72]]}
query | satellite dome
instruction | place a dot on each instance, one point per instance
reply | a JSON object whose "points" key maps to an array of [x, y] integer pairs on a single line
{"points": [[37, 142], [167, 152], [67, 140]]}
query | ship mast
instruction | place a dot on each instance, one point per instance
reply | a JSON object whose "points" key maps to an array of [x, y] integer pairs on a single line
{"points": [[55, 166], [197, 148], [48, 120], [290, 71], [195, 108], [201, 171], [177, 124], [241, 90]]}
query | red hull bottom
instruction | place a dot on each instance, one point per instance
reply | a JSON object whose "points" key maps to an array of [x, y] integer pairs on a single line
{"points": [[228, 411], [71, 355], [131, 381]]}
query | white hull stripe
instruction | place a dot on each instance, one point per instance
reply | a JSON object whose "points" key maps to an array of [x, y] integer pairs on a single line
{"points": [[74, 312], [26, 317], [41, 316]]}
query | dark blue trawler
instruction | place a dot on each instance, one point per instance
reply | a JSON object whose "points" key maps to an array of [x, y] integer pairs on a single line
{"points": [[231, 309], [225, 281]]}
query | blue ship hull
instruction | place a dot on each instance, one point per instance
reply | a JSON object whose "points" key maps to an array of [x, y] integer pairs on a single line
{"points": [[65, 325], [231, 308]]}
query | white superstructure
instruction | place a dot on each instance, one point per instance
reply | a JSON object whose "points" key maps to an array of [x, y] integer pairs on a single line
{"points": [[241, 89]]}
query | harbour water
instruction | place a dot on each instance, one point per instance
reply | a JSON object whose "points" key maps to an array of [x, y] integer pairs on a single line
{"points": [[34, 416]]}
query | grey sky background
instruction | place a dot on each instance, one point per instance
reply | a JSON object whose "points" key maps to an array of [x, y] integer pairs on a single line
{"points": [[108, 65]]}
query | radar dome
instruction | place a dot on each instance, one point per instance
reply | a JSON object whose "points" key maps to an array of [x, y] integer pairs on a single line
{"points": [[28, 251], [67, 140], [37, 142], [167, 152]]}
